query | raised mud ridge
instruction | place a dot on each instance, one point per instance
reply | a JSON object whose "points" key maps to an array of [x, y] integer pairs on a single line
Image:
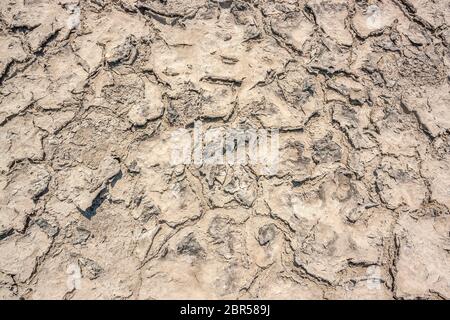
{"points": [[91, 92]]}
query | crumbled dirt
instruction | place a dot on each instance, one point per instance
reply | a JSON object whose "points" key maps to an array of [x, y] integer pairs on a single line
{"points": [[91, 91]]}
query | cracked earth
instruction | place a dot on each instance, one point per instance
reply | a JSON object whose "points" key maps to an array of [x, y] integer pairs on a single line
{"points": [[90, 207]]}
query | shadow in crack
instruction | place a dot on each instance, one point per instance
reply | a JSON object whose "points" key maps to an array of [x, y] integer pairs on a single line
{"points": [[100, 198]]}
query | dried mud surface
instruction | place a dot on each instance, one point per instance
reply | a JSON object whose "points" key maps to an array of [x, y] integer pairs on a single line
{"points": [[90, 91]]}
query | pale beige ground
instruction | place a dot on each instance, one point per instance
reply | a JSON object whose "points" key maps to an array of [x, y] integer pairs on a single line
{"points": [[359, 90]]}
